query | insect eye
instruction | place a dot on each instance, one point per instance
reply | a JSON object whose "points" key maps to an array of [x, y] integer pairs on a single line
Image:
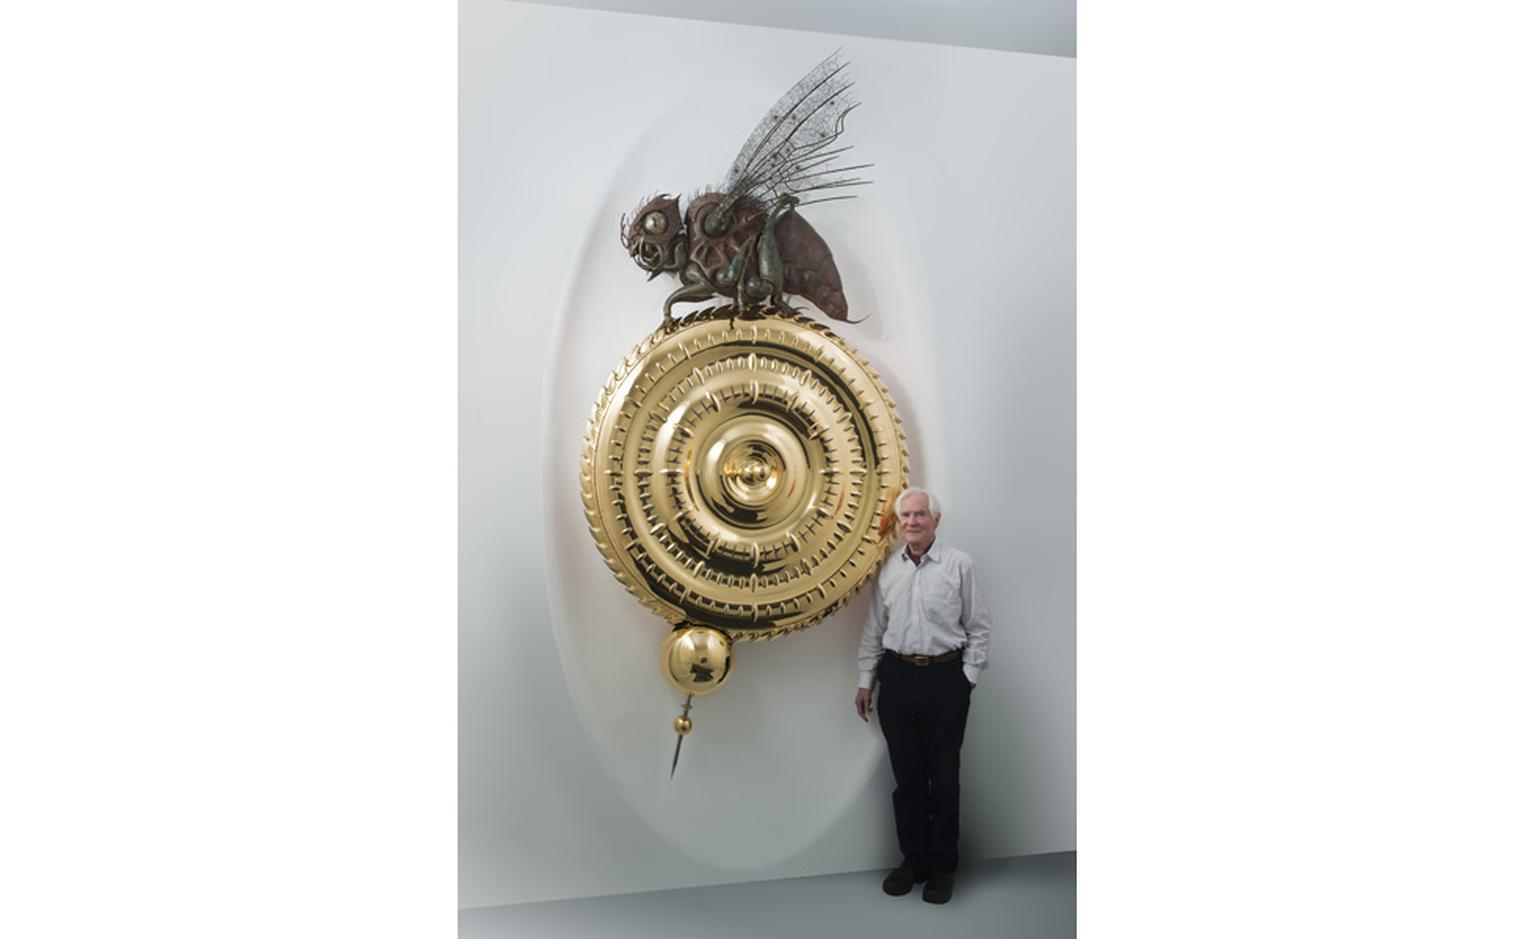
{"points": [[655, 223]]}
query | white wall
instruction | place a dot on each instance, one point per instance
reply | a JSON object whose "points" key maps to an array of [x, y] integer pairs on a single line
{"points": [[1044, 26], [962, 252]]}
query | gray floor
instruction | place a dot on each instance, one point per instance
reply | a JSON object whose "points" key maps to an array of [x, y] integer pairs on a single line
{"points": [[1033, 897]]}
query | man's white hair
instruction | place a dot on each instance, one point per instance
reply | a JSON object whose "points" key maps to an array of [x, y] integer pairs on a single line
{"points": [[933, 500]]}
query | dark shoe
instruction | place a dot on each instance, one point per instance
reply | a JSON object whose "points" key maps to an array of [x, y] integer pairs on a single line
{"points": [[898, 883], [939, 888]]}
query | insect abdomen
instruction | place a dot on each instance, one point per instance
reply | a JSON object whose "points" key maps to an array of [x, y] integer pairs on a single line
{"points": [[808, 266]]}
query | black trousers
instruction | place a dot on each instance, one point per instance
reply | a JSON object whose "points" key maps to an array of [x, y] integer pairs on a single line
{"points": [[922, 714]]}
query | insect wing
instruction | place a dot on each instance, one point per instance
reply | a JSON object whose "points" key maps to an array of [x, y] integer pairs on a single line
{"points": [[791, 151]]}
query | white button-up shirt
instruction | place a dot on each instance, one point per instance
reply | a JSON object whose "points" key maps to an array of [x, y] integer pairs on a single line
{"points": [[927, 608]]}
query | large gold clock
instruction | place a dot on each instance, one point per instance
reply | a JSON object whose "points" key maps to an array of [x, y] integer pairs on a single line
{"points": [[734, 475]]}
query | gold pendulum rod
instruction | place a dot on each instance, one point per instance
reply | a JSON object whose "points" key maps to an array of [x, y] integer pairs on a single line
{"points": [[682, 724]]}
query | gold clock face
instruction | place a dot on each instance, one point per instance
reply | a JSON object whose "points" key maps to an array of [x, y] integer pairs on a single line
{"points": [[735, 470]]}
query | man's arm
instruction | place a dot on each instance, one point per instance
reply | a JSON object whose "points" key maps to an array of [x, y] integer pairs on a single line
{"points": [[870, 651], [976, 620]]}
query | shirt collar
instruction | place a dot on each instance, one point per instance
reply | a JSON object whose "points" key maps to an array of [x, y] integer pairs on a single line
{"points": [[934, 552]]}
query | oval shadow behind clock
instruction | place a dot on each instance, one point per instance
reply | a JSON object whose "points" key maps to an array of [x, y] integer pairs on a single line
{"points": [[777, 757]]}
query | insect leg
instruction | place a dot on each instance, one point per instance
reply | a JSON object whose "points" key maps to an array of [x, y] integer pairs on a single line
{"points": [[770, 266], [695, 287], [736, 273]]}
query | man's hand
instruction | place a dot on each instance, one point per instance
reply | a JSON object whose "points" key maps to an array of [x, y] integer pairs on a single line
{"points": [[861, 704]]}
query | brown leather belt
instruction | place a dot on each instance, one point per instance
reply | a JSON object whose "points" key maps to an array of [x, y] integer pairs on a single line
{"points": [[929, 659]]}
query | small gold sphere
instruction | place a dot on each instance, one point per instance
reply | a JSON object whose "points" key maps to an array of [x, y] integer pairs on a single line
{"points": [[696, 660], [682, 724]]}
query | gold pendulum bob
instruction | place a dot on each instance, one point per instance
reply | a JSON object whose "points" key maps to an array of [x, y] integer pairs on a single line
{"points": [[695, 660], [733, 475]]}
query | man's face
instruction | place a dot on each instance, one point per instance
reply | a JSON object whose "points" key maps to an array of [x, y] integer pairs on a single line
{"points": [[917, 523]]}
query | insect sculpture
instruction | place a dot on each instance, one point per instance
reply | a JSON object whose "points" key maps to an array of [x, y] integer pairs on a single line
{"points": [[746, 240]]}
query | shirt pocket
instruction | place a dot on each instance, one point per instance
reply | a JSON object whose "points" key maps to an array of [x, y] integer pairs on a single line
{"points": [[941, 601]]}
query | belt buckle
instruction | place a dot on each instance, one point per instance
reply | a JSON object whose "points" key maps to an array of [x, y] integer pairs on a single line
{"points": [[921, 660]]}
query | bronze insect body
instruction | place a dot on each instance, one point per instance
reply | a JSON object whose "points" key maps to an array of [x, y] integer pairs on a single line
{"points": [[747, 242]]}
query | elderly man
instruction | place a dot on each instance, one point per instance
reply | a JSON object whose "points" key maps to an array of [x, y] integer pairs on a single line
{"points": [[926, 640]]}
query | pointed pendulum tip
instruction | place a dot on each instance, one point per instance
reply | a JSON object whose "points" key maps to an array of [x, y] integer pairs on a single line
{"points": [[682, 724], [695, 661]]}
